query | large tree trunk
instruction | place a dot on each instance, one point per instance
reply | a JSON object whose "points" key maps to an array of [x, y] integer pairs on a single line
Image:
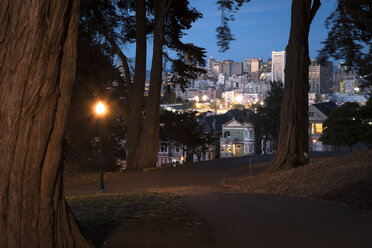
{"points": [[293, 143], [37, 69], [149, 142], [136, 91], [143, 136]]}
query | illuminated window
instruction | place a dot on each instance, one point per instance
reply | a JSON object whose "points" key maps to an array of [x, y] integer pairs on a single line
{"points": [[318, 128], [312, 128], [229, 148], [223, 148]]}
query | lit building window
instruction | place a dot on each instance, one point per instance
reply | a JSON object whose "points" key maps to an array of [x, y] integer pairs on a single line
{"points": [[229, 148], [223, 148], [318, 128]]}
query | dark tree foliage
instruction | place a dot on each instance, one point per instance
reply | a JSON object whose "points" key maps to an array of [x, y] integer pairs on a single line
{"points": [[169, 97], [96, 78], [350, 36], [185, 131], [344, 126], [228, 8], [268, 116], [366, 117]]}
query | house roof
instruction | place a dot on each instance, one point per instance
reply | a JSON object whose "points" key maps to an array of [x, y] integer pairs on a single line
{"points": [[214, 123], [325, 107]]}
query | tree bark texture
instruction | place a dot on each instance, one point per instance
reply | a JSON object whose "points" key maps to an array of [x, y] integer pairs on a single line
{"points": [[37, 69], [149, 141], [293, 142], [143, 127], [136, 91]]}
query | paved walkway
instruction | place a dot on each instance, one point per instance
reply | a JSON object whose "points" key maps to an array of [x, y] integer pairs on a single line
{"points": [[252, 220]]}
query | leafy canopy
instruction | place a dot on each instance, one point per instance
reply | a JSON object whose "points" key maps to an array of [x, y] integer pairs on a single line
{"points": [[350, 36]]}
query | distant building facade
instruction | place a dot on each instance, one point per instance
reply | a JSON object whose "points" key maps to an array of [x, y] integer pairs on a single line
{"points": [[318, 113], [238, 139], [278, 64], [320, 77]]}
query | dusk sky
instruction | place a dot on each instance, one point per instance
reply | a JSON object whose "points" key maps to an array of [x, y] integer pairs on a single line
{"points": [[260, 27]]}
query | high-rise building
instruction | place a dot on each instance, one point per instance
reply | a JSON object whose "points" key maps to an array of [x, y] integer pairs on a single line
{"points": [[211, 63], [256, 64], [326, 77], [320, 77], [246, 66], [217, 66], [278, 64], [314, 77], [237, 68], [226, 67]]}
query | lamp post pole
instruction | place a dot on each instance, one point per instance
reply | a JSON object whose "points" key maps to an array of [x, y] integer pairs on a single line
{"points": [[100, 110], [101, 185]]}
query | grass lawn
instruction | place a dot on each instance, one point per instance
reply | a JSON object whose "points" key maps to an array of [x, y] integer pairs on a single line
{"points": [[139, 219], [345, 180]]}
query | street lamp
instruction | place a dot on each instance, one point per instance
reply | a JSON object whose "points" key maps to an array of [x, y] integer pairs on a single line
{"points": [[100, 110]]}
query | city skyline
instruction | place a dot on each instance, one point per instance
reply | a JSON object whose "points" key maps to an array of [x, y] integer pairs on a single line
{"points": [[260, 27]]}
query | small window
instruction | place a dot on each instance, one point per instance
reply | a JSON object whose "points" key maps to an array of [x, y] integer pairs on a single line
{"points": [[318, 128], [227, 134], [223, 148], [229, 148], [238, 147], [311, 114], [163, 148], [246, 133], [250, 134], [251, 148]]}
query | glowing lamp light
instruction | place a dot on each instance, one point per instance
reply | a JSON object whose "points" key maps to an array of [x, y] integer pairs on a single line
{"points": [[314, 140], [204, 98], [182, 158], [239, 99], [196, 98], [100, 108]]}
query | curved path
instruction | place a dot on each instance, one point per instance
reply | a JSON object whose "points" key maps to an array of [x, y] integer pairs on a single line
{"points": [[251, 220]]}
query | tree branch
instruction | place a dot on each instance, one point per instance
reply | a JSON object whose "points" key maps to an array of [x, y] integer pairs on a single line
{"points": [[166, 9], [314, 9]]}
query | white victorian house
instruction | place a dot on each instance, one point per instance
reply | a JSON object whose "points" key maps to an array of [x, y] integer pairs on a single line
{"points": [[238, 139]]}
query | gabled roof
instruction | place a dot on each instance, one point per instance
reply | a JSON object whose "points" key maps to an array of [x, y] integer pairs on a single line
{"points": [[232, 123], [214, 123], [325, 107]]}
